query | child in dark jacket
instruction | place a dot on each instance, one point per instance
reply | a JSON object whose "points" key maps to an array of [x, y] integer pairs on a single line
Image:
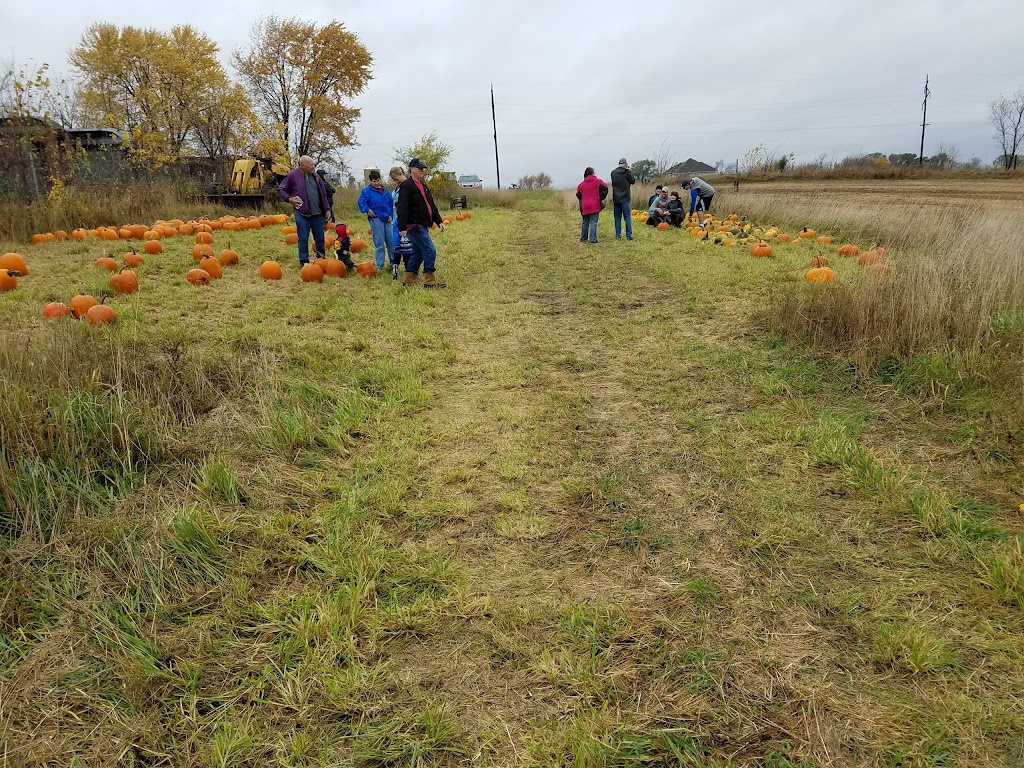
{"points": [[344, 247]]}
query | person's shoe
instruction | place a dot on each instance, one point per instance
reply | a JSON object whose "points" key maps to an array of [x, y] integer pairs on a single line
{"points": [[411, 278], [430, 281], [394, 271]]}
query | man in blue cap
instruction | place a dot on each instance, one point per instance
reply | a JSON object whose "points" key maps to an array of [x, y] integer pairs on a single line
{"points": [[416, 213]]}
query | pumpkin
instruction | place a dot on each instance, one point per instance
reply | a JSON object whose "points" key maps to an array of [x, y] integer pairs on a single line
{"points": [[311, 273], [203, 238], [125, 281], [56, 309], [79, 234], [358, 244], [868, 257], [211, 266], [124, 233], [761, 250], [14, 262], [824, 240], [820, 275], [133, 259], [200, 252], [459, 217], [228, 257], [806, 233], [198, 277], [270, 270], [334, 267], [467, 215], [819, 261], [289, 230], [849, 250], [662, 226], [151, 234], [185, 229], [366, 268], [105, 262], [38, 238], [60, 234], [100, 314], [138, 230], [8, 280], [881, 269], [152, 247], [783, 238], [291, 239], [81, 304]]}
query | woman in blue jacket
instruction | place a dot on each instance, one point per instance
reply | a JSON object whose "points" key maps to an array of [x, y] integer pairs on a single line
{"points": [[378, 205]]}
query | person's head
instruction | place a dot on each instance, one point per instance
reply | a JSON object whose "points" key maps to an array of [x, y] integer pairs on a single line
{"points": [[674, 195], [321, 174], [685, 184], [375, 180], [623, 163], [306, 164], [663, 194], [658, 189], [588, 172], [417, 168], [397, 174], [341, 230]]}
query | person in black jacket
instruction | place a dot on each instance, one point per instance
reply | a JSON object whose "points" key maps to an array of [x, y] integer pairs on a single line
{"points": [[416, 213], [622, 180], [330, 191]]}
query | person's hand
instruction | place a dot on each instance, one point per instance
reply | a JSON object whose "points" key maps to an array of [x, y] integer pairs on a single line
{"points": [[441, 227], [295, 200], [371, 214]]}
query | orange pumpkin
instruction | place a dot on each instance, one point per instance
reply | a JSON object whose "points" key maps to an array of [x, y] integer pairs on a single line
{"points": [[761, 250], [202, 252], [270, 270], [14, 262], [8, 280], [212, 267], [819, 261], [203, 238], [56, 309], [100, 314], [133, 259], [334, 267], [228, 257], [105, 262], [291, 239], [824, 240], [806, 233], [79, 234], [81, 304], [868, 258], [849, 250], [366, 268], [820, 275], [311, 273], [153, 247], [357, 245], [783, 238], [198, 277], [662, 226], [125, 281]]}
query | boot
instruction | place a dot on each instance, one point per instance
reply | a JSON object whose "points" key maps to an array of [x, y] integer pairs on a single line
{"points": [[411, 278], [429, 281]]}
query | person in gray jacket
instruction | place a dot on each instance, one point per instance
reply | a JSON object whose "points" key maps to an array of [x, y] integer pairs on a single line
{"points": [[622, 180], [700, 196]]}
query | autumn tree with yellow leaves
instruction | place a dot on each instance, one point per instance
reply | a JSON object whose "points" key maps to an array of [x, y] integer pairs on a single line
{"points": [[167, 92], [300, 78]]}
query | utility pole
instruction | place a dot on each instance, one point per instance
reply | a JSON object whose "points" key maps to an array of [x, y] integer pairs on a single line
{"points": [[924, 119], [494, 122]]}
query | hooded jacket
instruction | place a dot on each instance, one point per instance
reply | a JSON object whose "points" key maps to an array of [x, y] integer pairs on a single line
{"points": [[622, 180], [590, 192]]}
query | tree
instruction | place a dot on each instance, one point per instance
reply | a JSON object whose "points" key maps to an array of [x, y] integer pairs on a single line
{"points": [[663, 158], [153, 86], [1007, 117], [435, 155], [226, 125], [300, 77], [644, 170], [23, 92], [534, 181]]}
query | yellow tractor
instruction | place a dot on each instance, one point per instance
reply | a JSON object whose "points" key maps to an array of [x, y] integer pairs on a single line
{"points": [[253, 182]]}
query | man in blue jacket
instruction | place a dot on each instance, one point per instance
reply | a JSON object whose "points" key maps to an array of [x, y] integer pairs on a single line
{"points": [[378, 205], [308, 196]]}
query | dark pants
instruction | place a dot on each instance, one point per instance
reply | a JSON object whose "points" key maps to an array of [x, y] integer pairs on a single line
{"points": [[303, 226]]}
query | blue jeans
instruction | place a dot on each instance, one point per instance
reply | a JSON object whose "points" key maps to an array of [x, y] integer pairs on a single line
{"points": [[303, 226], [589, 227], [423, 251], [383, 238], [622, 211]]}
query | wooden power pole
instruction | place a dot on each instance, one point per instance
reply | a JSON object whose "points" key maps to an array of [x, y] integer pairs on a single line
{"points": [[924, 119]]}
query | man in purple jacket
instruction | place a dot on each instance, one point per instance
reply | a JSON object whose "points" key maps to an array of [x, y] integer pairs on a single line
{"points": [[308, 196]]}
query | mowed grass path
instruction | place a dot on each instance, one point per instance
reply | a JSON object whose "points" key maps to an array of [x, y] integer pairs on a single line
{"points": [[581, 508]]}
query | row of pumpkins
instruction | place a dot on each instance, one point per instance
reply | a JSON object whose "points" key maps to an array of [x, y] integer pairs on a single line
{"points": [[732, 231], [209, 267]]}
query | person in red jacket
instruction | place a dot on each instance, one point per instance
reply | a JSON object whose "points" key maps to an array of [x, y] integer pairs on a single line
{"points": [[591, 193]]}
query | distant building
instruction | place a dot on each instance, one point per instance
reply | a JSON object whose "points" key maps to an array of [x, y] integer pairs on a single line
{"points": [[690, 168]]}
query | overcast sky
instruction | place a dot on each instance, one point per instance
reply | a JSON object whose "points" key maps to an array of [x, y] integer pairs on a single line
{"points": [[581, 83]]}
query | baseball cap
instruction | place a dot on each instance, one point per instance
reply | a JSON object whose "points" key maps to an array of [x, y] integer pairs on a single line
{"points": [[622, 161], [417, 163]]}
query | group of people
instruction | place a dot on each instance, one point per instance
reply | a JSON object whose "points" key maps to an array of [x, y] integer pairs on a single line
{"points": [[399, 219], [663, 206]]}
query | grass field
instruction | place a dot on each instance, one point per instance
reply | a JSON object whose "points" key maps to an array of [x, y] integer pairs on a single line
{"points": [[588, 506]]}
